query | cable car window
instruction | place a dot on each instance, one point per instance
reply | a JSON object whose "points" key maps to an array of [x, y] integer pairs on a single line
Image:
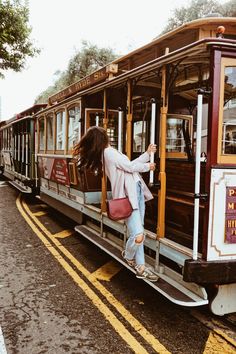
{"points": [[4, 139], [96, 118], [112, 128], [41, 134], [178, 135], [60, 136], [139, 136], [11, 139], [50, 145], [74, 129], [229, 112], [7, 146]]}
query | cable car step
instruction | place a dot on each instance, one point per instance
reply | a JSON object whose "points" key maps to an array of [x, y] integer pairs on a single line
{"points": [[165, 285], [21, 187]]}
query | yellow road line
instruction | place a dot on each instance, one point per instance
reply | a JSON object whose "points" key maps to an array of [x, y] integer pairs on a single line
{"points": [[216, 344], [215, 326], [109, 297], [107, 313], [63, 234], [107, 271], [40, 213], [225, 336]]}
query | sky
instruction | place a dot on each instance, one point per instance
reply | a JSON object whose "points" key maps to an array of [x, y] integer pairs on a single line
{"points": [[58, 28]]}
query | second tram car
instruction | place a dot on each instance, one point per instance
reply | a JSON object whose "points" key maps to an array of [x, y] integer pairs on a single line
{"points": [[17, 144], [178, 91]]}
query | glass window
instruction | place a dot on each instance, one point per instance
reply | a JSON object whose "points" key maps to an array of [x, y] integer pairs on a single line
{"points": [[178, 132], [4, 139], [229, 112], [50, 145], [112, 128], [60, 138], [8, 139], [41, 134], [74, 132], [11, 139], [96, 118], [139, 140], [174, 135]]}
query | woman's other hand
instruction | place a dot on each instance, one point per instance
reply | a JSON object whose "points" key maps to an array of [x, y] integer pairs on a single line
{"points": [[152, 148], [152, 166]]}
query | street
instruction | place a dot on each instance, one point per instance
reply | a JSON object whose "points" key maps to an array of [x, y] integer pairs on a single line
{"points": [[61, 294]]}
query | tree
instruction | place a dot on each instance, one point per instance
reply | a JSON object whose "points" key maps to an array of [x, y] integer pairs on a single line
{"points": [[197, 9], [230, 9], [15, 45], [90, 58]]}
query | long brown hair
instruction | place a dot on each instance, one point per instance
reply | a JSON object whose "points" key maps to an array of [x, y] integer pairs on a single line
{"points": [[90, 148]]}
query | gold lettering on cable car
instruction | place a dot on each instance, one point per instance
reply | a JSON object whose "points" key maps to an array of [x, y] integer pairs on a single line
{"points": [[230, 215], [231, 206]]}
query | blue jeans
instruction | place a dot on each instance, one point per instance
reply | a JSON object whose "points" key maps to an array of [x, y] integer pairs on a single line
{"points": [[135, 226]]}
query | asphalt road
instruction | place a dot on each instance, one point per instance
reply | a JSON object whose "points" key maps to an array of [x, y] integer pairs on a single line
{"points": [[61, 294]]}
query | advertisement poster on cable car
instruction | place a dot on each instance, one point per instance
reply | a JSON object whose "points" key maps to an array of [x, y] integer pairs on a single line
{"points": [[54, 169], [230, 218]]}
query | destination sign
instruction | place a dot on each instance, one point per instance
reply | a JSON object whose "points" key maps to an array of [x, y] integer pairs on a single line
{"points": [[230, 215], [80, 85]]}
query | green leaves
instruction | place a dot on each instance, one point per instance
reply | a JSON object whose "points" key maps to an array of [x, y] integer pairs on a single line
{"points": [[197, 9], [84, 62], [15, 45]]}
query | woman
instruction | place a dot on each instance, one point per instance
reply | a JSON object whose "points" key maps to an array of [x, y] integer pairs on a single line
{"points": [[125, 180]]}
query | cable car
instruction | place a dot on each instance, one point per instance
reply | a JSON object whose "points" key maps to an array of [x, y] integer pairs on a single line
{"points": [[178, 91]]}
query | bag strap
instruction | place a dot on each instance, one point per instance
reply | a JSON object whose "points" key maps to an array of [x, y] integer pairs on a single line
{"points": [[103, 170], [104, 174], [104, 184]]}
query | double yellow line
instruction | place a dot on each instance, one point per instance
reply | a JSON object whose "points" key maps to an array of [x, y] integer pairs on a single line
{"points": [[40, 230]]}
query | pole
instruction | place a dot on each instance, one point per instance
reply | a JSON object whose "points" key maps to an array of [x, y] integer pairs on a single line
{"points": [[162, 173], [120, 129], [197, 175], [97, 119], [105, 123], [152, 138], [129, 120]]}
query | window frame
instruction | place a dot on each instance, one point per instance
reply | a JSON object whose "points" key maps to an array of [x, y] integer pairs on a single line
{"points": [[61, 110], [74, 105], [223, 158], [44, 138], [189, 118], [50, 115]]}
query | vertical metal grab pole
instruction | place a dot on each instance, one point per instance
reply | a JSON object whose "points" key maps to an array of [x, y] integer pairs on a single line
{"points": [[79, 129], [27, 154], [129, 119], [97, 120], [18, 155], [152, 137], [120, 129], [105, 123], [197, 175], [15, 147], [23, 147]]}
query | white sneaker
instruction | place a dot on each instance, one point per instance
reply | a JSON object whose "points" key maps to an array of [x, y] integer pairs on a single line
{"points": [[130, 262], [145, 273]]}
